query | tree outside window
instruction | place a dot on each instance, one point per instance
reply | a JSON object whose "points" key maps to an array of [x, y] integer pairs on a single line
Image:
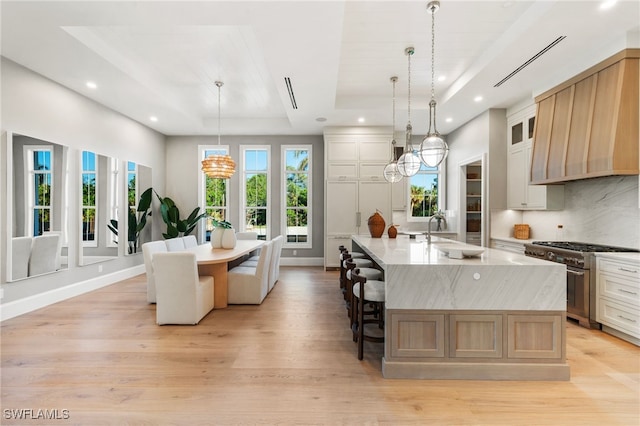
{"points": [[423, 196], [297, 200], [256, 194]]}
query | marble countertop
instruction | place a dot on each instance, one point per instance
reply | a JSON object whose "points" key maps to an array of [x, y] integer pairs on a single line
{"points": [[513, 240], [405, 251]]}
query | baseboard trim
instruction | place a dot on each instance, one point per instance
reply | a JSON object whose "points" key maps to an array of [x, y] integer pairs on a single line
{"points": [[302, 261], [37, 301]]}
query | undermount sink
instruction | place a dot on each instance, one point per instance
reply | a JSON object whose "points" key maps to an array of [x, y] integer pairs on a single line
{"points": [[459, 251]]}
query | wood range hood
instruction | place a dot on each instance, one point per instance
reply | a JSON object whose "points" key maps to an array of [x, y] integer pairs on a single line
{"points": [[588, 126]]}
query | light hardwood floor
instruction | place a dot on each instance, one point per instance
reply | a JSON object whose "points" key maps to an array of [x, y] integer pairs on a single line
{"points": [[289, 361]]}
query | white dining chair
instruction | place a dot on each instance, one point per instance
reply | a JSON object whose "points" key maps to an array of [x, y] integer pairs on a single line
{"points": [[148, 251], [44, 254], [250, 285], [274, 264], [174, 244], [190, 241], [183, 297], [20, 253], [247, 235]]}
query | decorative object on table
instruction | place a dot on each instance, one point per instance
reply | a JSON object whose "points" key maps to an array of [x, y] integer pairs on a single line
{"points": [[135, 223], [391, 173], [376, 225], [521, 231], [433, 149], [223, 235], [409, 163], [393, 231], [177, 227], [219, 166]]}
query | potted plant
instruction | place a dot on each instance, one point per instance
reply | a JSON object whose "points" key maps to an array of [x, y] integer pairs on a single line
{"points": [[136, 221], [223, 235], [177, 227]]}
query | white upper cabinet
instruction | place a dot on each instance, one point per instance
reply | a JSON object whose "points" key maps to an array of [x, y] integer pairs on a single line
{"points": [[521, 195]]}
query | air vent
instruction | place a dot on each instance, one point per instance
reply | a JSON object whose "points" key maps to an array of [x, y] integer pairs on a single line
{"points": [[287, 81], [530, 60]]}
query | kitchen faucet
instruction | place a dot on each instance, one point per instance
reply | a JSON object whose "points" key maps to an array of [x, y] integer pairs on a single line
{"points": [[438, 216]]}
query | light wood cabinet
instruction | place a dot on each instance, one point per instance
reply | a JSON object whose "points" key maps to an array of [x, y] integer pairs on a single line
{"points": [[589, 126], [520, 194], [618, 297]]}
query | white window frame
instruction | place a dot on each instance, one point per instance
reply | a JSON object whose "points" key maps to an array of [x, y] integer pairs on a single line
{"points": [[283, 196], [30, 199], [95, 173], [202, 186], [442, 188], [243, 196]]}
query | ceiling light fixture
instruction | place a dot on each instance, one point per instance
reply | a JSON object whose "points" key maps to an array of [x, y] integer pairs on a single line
{"points": [[361, 120], [408, 163], [92, 85], [390, 172], [153, 118], [607, 4], [220, 166], [433, 149], [477, 98]]}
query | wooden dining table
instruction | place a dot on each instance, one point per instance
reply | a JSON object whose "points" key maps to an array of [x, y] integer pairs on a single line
{"points": [[215, 262]]}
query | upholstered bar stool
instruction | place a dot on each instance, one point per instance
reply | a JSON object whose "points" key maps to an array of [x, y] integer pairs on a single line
{"points": [[368, 272], [366, 292], [359, 262], [342, 256]]}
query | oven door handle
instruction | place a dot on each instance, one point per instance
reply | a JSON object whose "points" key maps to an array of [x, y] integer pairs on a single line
{"points": [[580, 274]]}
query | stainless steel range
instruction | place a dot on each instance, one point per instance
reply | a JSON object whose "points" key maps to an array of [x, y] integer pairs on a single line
{"points": [[581, 277]]}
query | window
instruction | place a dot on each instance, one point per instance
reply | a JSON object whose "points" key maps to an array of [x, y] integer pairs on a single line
{"points": [[214, 196], [424, 190], [255, 186], [132, 195], [89, 189], [296, 199], [39, 165], [114, 199]]}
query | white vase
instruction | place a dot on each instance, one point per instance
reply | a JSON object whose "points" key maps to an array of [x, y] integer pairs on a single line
{"points": [[229, 239], [216, 237]]}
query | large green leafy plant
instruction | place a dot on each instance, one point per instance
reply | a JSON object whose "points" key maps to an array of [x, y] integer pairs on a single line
{"points": [[137, 220], [177, 227]]}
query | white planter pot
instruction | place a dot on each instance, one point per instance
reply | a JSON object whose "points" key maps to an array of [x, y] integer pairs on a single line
{"points": [[229, 239], [216, 237]]}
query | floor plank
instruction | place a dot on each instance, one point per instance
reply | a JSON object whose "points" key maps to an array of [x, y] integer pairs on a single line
{"points": [[290, 360]]}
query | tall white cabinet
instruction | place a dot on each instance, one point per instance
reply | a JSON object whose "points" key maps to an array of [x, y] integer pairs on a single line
{"points": [[354, 185], [521, 195]]}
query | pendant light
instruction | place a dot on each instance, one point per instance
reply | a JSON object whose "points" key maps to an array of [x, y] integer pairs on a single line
{"points": [[409, 163], [433, 149], [219, 166], [390, 172]]}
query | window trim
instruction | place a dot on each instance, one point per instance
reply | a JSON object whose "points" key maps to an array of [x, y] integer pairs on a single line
{"points": [[95, 173], [202, 202], [283, 195], [442, 190], [241, 222]]}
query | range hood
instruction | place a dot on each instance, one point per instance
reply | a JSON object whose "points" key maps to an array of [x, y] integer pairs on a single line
{"points": [[588, 126]]}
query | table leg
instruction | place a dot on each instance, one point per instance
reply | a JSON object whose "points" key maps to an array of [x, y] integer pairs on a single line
{"points": [[219, 273]]}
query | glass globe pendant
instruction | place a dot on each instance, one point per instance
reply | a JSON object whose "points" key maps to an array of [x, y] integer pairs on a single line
{"points": [[433, 149], [391, 173], [409, 163]]}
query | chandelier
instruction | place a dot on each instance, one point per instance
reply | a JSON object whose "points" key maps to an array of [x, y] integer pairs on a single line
{"points": [[433, 149], [391, 172], [219, 166], [409, 163]]}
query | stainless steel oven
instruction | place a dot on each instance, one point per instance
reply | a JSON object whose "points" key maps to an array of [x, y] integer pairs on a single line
{"points": [[581, 274]]}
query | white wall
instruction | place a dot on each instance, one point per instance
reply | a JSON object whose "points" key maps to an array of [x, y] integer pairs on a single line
{"points": [[35, 106]]}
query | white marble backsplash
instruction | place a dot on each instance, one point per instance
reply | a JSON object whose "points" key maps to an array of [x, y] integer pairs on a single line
{"points": [[600, 211]]}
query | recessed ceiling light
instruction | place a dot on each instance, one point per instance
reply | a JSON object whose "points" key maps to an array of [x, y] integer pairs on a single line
{"points": [[361, 120], [153, 118], [477, 98], [607, 4], [448, 119], [92, 85], [321, 119], [442, 78]]}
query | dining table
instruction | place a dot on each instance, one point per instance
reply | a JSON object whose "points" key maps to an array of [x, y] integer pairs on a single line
{"points": [[215, 262]]}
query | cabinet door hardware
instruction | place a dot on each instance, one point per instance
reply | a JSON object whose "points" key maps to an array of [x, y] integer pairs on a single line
{"points": [[628, 270], [627, 319], [627, 291]]}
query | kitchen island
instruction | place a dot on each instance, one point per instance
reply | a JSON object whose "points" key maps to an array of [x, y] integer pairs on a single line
{"points": [[494, 316]]}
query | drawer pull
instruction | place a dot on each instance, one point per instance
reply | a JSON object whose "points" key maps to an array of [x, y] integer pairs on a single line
{"points": [[628, 270], [628, 319], [627, 291]]}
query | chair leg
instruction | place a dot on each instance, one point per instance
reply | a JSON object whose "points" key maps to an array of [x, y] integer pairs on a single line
{"points": [[360, 329]]}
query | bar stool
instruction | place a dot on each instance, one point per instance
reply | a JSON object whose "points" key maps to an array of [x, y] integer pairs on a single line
{"points": [[366, 292], [355, 255], [367, 272]]}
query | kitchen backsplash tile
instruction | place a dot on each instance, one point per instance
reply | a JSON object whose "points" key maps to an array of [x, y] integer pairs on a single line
{"points": [[602, 211]]}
